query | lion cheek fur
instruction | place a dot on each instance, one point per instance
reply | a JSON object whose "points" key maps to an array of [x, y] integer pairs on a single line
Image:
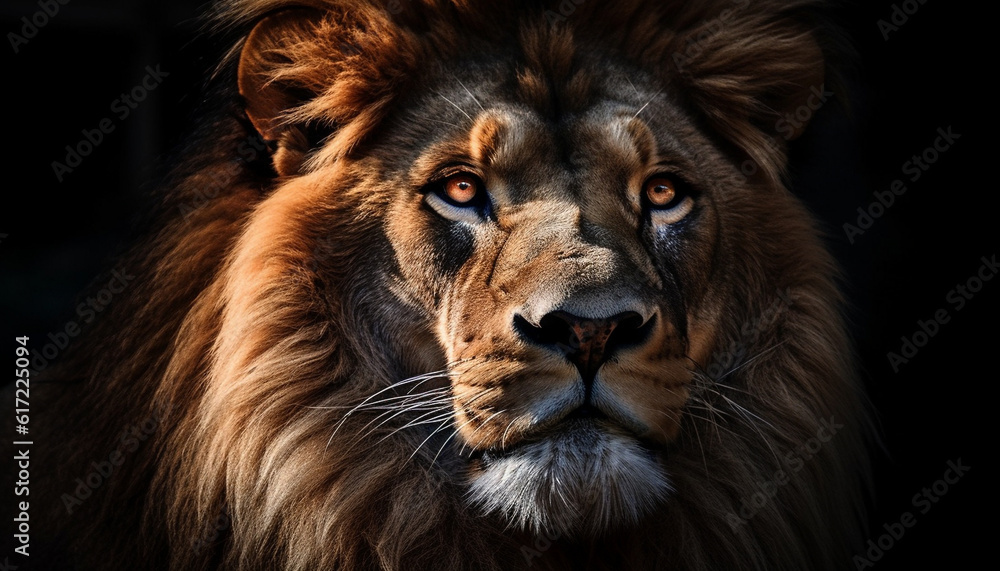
{"points": [[581, 482]]}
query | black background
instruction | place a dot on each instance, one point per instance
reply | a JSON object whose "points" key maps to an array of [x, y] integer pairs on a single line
{"points": [[925, 76]]}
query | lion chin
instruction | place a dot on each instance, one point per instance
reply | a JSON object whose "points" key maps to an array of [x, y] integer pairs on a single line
{"points": [[583, 479]]}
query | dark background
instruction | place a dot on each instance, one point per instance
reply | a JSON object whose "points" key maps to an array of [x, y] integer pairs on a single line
{"points": [[57, 237]]}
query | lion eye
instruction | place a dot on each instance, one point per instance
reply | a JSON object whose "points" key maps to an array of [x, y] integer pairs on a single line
{"points": [[461, 189], [460, 197], [661, 192], [667, 199]]}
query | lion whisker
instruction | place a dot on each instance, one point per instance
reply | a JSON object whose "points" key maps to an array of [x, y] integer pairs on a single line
{"points": [[439, 403], [748, 361], [429, 436], [706, 419], [713, 412], [503, 439], [643, 108], [403, 400], [456, 106], [632, 84], [483, 109], [456, 430], [747, 415], [386, 401], [440, 419], [740, 408], [421, 378], [440, 450], [441, 415], [702, 381], [481, 394], [697, 434], [392, 413], [478, 428]]}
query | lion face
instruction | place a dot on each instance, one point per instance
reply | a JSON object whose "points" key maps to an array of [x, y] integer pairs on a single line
{"points": [[526, 254], [560, 264], [463, 312]]}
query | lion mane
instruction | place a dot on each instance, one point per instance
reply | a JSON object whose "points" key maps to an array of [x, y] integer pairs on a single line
{"points": [[292, 306]]}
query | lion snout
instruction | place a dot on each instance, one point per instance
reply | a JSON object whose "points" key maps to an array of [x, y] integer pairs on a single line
{"points": [[586, 342]]}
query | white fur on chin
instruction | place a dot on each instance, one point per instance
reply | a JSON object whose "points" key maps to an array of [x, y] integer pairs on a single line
{"points": [[583, 480]]}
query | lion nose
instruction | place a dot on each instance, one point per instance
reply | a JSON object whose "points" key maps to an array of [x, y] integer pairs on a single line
{"points": [[587, 343]]}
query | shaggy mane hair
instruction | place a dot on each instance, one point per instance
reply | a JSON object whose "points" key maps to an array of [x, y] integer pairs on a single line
{"points": [[247, 336]]}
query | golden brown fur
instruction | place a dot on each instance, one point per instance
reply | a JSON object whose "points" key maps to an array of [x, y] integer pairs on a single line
{"points": [[263, 322]]}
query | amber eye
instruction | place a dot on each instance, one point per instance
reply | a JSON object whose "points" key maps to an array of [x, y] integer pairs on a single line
{"points": [[661, 192], [461, 189], [461, 196], [667, 199]]}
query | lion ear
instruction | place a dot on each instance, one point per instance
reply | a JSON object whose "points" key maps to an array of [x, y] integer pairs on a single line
{"points": [[269, 96], [757, 82]]}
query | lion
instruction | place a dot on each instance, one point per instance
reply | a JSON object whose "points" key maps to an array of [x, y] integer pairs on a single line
{"points": [[457, 284]]}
